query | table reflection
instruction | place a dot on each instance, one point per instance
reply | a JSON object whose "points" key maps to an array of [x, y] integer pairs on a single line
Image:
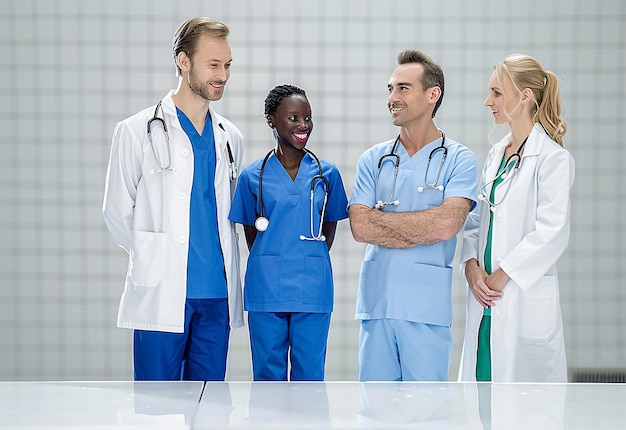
{"points": [[296, 404], [405, 403], [515, 406]]}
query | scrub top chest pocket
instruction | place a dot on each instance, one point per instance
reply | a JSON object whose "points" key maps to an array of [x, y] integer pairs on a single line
{"points": [[429, 199]]}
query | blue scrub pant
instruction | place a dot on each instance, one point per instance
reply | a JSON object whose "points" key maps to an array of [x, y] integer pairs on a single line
{"points": [[277, 338], [198, 354], [397, 350]]}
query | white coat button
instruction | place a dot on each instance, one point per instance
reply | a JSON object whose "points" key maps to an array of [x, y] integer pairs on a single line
{"points": [[185, 152], [497, 311], [182, 240], [182, 195], [498, 260], [499, 216]]}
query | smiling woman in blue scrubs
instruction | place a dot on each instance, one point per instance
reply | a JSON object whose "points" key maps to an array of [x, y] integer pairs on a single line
{"points": [[289, 203]]}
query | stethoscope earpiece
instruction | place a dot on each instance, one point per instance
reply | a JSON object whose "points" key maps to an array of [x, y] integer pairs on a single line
{"points": [[422, 189], [321, 238]]}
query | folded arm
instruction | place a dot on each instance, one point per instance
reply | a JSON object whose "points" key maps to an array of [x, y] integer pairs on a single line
{"points": [[408, 229]]}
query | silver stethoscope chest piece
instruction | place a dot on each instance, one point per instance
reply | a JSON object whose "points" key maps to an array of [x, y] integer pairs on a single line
{"points": [[261, 223]]}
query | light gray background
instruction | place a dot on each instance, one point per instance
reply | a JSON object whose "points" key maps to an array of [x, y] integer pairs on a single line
{"points": [[69, 70]]}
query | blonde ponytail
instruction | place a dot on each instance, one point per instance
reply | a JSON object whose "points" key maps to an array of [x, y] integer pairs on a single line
{"points": [[526, 72], [549, 112]]}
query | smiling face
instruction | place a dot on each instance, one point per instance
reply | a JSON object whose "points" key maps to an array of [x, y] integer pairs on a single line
{"points": [[209, 69], [503, 99], [408, 101], [293, 122]]}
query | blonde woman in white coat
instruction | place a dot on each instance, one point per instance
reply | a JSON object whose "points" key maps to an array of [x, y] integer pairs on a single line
{"points": [[514, 237]]}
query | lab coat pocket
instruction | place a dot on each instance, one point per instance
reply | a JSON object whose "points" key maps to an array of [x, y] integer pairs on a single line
{"points": [[147, 258], [538, 309]]}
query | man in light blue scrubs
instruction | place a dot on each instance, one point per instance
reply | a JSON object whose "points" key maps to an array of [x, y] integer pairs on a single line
{"points": [[411, 197]]}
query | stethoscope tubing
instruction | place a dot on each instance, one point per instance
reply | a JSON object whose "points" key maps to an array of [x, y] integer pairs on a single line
{"points": [[429, 186], [161, 121], [262, 222], [506, 175], [163, 168]]}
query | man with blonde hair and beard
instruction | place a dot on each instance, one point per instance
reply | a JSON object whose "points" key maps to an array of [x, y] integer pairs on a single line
{"points": [[169, 186]]}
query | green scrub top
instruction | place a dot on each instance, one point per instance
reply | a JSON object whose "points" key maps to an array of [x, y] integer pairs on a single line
{"points": [[483, 354]]}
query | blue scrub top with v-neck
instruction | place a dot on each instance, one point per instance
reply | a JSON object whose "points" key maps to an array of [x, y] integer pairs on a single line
{"points": [[206, 277], [411, 284], [285, 273]]}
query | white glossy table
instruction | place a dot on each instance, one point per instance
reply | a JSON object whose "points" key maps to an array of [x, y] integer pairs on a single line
{"points": [[98, 405], [340, 405]]}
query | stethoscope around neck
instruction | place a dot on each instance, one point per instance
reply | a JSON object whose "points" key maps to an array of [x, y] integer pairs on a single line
{"points": [[393, 156], [506, 173], [167, 167], [261, 223]]}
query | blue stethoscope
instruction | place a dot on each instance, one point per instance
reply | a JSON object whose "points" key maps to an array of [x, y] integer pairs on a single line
{"points": [[395, 158], [261, 223], [506, 174], [168, 167]]}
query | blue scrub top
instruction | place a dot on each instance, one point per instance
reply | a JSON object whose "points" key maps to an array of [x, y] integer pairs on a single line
{"points": [[206, 277], [285, 273], [412, 284]]}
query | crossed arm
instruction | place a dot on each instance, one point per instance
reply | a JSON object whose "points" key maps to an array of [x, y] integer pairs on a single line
{"points": [[408, 229]]}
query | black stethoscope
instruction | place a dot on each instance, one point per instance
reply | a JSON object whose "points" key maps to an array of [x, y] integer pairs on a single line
{"points": [[168, 167], [506, 173], [395, 158], [261, 223]]}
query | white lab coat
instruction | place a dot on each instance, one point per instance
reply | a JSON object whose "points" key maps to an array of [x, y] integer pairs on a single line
{"points": [[147, 214], [530, 232]]}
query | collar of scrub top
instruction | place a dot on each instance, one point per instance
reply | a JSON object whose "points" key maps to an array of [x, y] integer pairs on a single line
{"points": [[393, 156], [262, 222]]}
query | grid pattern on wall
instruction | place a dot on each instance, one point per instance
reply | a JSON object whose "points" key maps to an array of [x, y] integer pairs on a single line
{"points": [[71, 69]]}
